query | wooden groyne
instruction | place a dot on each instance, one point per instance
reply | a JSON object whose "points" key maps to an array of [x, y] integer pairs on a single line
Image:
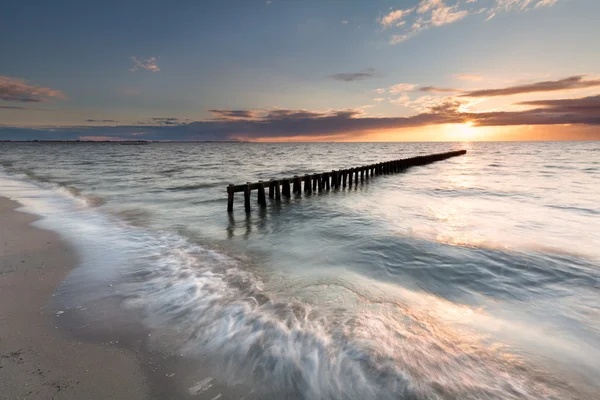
{"points": [[327, 180]]}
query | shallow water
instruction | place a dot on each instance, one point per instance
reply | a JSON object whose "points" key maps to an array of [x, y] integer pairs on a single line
{"points": [[475, 277]]}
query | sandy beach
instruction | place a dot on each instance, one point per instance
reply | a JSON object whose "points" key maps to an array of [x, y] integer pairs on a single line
{"points": [[36, 360]]}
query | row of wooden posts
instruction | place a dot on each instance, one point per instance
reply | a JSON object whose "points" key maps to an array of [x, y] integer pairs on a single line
{"points": [[328, 180]]}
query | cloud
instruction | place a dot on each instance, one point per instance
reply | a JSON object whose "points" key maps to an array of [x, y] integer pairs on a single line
{"points": [[344, 22], [581, 105], [434, 89], [344, 123], [102, 120], [431, 13], [428, 5], [147, 64], [354, 76], [394, 18], [467, 77], [395, 39], [546, 3], [23, 108], [573, 82], [18, 90], [447, 15], [402, 87], [232, 114], [166, 121], [435, 13]]}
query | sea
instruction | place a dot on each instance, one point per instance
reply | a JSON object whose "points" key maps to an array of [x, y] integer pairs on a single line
{"points": [[476, 277]]}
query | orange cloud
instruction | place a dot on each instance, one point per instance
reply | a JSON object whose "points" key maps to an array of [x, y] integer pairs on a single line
{"points": [[18, 90]]}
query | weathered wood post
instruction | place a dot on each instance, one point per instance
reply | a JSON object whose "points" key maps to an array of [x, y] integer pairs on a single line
{"points": [[362, 174], [319, 179], [307, 184], [230, 194], [326, 175], [277, 191], [344, 176], [271, 188], [296, 187], [261, 194], [285, 188], [350, 176], [247, 197], [334, 179]]}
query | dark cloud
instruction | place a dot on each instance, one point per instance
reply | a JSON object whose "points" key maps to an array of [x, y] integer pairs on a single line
{"points": [[18, 90], [277, 123], [587, 104], [354, 76], [102, 120], [585, 111], [24, 108], [167, 121], [573, 82]]}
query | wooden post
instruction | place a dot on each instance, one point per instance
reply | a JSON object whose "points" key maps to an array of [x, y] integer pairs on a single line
{"points": [[261, 194], [295, 188], [326, 175], [350, 176], [271, 189], [285, 188], [277, 191], [344, 176], [362, 174], [247, 197], [334, 179], [319, 179], [315, 177], [307, 184], [230, 195]]}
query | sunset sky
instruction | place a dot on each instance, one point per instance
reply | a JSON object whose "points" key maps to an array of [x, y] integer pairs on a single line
{"points": [[372, 70]]}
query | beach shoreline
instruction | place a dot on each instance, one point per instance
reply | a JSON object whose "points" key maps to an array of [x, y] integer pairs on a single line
{"points": [[37, 360]]}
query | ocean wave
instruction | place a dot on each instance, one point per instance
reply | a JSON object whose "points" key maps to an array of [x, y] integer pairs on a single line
{"points": [[201, 302]]}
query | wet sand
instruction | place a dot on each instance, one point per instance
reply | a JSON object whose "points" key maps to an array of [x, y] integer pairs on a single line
{"points": [[37, 361]]}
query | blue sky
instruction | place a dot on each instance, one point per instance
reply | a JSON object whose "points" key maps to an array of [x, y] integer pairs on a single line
{"points": [[113, 66]]}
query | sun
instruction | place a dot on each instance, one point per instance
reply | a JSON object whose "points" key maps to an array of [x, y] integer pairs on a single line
{"points": [[464, 132]]}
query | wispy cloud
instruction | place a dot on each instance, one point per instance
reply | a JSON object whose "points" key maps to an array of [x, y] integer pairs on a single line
{"points": [[518, 5], [147, 64], [18, 90], [467, 77], [354, 76], [435, 89], [344, 22], [21, 108], [428, 14], [401, 87], [570, 83], [104, 121], [394, 18]]}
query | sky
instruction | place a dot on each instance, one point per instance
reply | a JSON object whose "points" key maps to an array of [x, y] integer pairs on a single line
{"points": [[300, 70]]}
